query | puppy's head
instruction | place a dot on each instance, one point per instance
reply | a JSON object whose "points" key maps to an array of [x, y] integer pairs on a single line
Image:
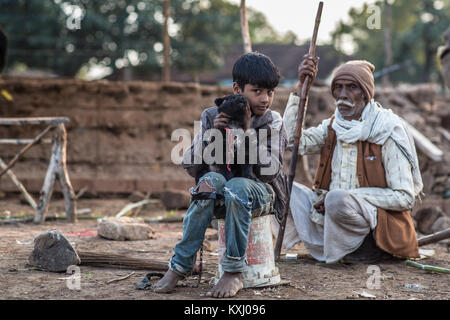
{"points": [[233, 105]]}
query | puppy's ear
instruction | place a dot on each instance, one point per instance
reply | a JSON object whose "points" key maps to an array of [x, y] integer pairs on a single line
{"points": [[219, 101]]}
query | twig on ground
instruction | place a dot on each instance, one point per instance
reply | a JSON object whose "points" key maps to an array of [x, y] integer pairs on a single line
{"points": [[121, 278]]}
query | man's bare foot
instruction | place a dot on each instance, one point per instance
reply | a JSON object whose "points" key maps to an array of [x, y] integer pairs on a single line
{"points": [[167, 283], [228, 286]]}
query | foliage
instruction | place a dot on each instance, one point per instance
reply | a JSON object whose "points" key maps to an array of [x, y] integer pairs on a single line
{"points": [[66, 36], [417, 28]]}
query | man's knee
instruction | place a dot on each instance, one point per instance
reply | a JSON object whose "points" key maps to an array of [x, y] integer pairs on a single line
{"points": [[336, 201]]}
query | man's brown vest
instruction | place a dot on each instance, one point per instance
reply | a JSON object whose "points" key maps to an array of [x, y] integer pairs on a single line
{"points": [[395, 231]]}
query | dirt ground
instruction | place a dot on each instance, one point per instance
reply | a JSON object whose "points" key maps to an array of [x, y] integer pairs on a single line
{"points": [[302, 279]]}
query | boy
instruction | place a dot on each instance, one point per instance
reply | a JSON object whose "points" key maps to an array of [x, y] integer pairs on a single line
{"points": [[255, 77]]}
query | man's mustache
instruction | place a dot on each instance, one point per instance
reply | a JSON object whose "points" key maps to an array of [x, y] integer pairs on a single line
{"points": [[344, 102]]}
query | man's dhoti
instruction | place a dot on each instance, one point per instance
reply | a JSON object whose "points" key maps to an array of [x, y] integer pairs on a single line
{"points": [[347, 221]]}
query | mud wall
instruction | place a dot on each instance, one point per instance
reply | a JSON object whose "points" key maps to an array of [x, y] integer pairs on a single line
{"points": [[119, 135]]}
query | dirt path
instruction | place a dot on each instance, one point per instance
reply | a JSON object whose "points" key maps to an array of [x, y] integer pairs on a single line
{"points": [[304, 278]]}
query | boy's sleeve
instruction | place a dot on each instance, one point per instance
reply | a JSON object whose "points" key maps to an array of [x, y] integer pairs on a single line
{"points": [[271, 150], [193, 157]]}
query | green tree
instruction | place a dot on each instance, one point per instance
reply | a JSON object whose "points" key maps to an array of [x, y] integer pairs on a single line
{"points": [[64, 36], [417, 27]]}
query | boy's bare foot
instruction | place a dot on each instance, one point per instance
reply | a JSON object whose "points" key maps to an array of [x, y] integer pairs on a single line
{"points": [[228, 286], [167, 283]]}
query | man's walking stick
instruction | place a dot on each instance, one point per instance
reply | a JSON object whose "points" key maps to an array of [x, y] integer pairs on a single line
{"points": [[298, 133]]}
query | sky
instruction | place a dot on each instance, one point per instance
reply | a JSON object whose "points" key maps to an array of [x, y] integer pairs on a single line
{"points": [[299, 15]]}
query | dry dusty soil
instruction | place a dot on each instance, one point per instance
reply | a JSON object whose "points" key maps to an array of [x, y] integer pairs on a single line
{"points": [[303, 279]]}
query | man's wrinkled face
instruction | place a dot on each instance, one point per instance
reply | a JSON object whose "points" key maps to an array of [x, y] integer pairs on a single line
{"points": [[350, 99], [259, 99]]}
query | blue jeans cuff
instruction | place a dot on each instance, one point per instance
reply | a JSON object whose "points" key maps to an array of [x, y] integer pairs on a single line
{"points": [[233, 264]]}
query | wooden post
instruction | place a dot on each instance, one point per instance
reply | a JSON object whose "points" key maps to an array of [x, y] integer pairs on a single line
{"points": [[244, 29], [57, 169], [63, 174], [166, 41]]}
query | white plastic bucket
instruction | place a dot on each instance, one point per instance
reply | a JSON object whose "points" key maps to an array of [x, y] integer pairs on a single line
{"points": [[261, 270]]}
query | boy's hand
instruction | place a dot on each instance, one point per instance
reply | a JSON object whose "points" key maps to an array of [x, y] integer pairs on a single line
{"points": [[307, 68], [221, 120]]}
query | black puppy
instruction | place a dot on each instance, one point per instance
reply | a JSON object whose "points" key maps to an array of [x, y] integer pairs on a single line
{"points": [[233, 105]]}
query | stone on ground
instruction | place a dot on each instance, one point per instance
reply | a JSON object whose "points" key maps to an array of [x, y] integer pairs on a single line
{"points": [[53, 252], [123, 228]]}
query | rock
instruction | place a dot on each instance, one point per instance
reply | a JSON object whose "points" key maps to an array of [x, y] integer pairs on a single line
{"points": [[123, 228], [52, 252], [426, 217], [175, 199], [440, 224]]}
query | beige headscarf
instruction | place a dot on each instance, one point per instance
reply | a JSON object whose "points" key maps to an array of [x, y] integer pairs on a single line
{"points": [[360, 71]]}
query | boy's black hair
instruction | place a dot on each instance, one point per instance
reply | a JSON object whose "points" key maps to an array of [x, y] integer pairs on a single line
{"points": [[3, 48], [257, 69]]}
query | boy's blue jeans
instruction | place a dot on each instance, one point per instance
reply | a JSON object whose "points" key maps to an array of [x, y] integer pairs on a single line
{"points": [[243, 199]]}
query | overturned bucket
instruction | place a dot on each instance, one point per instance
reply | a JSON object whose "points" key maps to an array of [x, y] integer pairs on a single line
{"points": [[261, 270]]}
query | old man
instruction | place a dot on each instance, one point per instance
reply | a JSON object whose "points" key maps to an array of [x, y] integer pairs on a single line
{"points": [[367, 178]]}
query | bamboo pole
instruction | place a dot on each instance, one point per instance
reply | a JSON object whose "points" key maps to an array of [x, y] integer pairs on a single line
{"points": [[298, 131], [426, 267]]}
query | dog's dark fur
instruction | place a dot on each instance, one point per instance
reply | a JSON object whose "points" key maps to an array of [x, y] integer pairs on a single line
{"points": [[233, 105]]}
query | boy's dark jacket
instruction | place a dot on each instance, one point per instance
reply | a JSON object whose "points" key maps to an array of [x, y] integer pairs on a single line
{"points": [[273, 123]]}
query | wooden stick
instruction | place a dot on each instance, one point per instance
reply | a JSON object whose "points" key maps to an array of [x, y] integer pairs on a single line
{"points": [[121, 278], [111, 260], [22, 141], [298, 133], [131, 206], [244, 29], [425, 145], [47, 187], [29, 121], [435, 237], [19, 185], [165, 220], [63, 175], [25, 149]]}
